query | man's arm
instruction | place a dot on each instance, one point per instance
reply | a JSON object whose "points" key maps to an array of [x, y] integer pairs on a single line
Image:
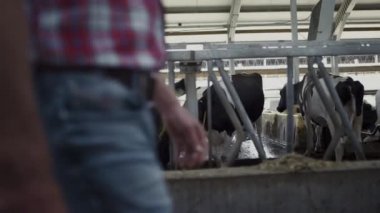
{"points": [[26, 180], [186, 132]]}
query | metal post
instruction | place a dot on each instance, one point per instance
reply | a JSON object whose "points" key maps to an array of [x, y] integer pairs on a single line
{"points": [[232, 67], [191, 93], [190, 68], [232, 24], [232, 115], [335, 65], [293, 8], [171, 74], [289, 105], [240, 109], [209, 108]]}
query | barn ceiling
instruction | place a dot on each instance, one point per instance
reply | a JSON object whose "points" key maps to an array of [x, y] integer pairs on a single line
{"points": [[257, 20]]}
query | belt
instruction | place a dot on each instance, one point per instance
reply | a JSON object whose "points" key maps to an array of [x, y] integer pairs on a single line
{"points": [[139, 80]]}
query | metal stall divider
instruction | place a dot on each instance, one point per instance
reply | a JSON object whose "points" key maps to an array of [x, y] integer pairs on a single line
{"points": [[240, 109], [289, 106], [321, 29], [240, 135], [344, 118]]}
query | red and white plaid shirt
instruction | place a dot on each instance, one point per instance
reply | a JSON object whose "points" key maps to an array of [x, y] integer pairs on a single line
{"points": [[116, 33]]}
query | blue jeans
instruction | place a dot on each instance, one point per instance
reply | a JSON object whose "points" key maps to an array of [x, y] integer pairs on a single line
{"points": [[102, 138]]}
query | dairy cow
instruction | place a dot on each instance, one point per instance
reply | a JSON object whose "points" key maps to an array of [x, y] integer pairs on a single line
{"points": [[351, 95], [249, 87]]}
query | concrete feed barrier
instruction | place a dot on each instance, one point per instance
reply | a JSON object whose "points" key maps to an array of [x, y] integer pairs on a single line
{"points": [[345, 187]]}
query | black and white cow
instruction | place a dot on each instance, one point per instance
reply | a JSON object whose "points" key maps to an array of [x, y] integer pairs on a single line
{"points": [[351, 95], [249, 88]]}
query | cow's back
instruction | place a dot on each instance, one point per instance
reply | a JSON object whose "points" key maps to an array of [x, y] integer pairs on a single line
{"points": [[250, 90]]}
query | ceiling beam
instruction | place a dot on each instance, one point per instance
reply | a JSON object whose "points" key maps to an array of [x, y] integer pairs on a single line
{"points": [[321, 20], [233, 19], [326, 18]]}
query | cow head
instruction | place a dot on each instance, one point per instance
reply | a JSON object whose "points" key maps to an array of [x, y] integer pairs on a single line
{"points": [[297, 89], [179, 87]]}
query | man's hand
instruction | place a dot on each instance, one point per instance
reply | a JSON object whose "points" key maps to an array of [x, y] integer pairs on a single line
{"points": [[188, 136]]}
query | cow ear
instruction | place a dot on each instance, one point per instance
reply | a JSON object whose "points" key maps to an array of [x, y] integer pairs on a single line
{"points": [[358, 92]]}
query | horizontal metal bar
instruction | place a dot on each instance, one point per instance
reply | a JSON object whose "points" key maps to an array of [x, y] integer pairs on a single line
{"points": [[275, 29], [258, 8], [278, 49], [231, 45]]}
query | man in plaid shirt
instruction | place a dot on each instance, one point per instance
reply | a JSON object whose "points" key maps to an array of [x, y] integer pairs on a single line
{"points": [[107, 33], [95, 65]]}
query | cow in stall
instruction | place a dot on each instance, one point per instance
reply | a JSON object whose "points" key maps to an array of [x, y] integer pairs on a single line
{"points": [[249, 88], [351, 95]]}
